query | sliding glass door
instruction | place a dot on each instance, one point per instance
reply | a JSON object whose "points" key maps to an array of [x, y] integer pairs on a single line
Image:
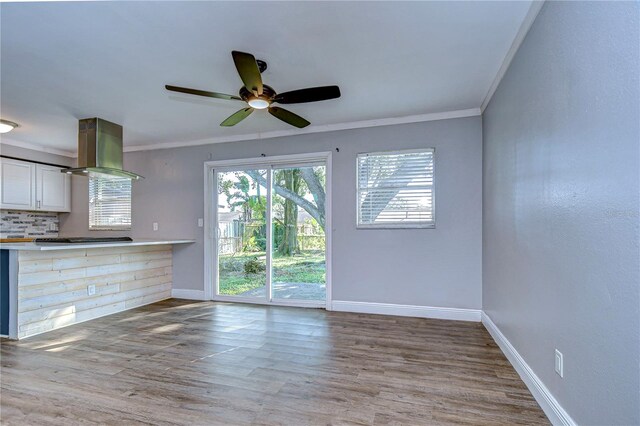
{"points": [[298, 245], [269, 233], [241, 233]]}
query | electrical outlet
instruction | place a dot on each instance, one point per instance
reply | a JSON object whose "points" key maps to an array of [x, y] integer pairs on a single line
{"points": [[559, 363], [53, 226], [200, 222], [91, 289], [155, 226]]}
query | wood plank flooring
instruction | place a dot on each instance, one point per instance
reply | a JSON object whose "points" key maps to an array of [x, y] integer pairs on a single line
{"points": [[206, 363]]}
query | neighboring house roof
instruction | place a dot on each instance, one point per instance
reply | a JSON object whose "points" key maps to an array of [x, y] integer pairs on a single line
{"points": [[225, 217], [228, 216]]}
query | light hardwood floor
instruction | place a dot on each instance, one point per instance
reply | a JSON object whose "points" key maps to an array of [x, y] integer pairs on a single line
{"points": [[206, 363]]}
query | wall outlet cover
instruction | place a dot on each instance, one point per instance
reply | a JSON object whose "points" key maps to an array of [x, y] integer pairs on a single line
{"points": [[91, 289], [155, 226], [559, 363]]}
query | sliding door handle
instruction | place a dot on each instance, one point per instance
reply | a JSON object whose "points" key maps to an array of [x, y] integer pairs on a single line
{"points": [[214, 233]]}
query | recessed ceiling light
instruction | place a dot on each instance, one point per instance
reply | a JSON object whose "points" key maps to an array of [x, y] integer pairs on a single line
{"points": [[7, 126]]}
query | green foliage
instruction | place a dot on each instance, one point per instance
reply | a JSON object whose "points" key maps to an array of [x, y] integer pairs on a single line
{"points": [[307, 267], [290, 179], [311, 242], [278, 233], [253, 266], [254, 236], [237, 194], [253, 207], [243, 193]]}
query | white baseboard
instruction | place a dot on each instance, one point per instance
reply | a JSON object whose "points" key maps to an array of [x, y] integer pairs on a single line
{"points": [[407, 310], [182, 293], [551, 407]]}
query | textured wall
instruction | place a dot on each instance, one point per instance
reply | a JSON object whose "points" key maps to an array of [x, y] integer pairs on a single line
{"points": [[561, 202], [429, 267]]}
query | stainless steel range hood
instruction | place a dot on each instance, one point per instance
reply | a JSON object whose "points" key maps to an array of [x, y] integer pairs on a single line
{"points": [[100, 150]]}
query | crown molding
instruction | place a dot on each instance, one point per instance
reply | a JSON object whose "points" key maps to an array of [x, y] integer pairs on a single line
{"points": [[472, 112], [34, 147], [531, 15]]}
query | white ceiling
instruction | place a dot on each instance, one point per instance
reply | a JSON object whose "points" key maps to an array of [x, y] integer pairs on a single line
{"points": [[64, 61]]}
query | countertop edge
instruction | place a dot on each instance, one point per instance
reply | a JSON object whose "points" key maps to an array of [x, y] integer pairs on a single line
{"points": [[67, 246]]}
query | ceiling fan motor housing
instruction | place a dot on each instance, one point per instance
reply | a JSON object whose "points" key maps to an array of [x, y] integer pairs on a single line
{"points": [[267, 93], [262, 65]]}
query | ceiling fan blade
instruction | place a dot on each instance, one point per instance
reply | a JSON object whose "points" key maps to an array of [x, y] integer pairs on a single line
{"points": [[249, 72], [237, 117], [288, 117], [312, 94], [202, 93]]}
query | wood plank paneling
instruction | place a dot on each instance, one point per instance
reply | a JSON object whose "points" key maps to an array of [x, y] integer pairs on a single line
{"points": [[52, 285], [32, 291]]}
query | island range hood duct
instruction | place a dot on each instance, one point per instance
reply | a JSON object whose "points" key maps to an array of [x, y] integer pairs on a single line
{"points": [[100, 150]]}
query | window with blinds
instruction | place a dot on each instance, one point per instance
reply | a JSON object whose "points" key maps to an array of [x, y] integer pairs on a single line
{"points": [[395, 189], [109, 203]]}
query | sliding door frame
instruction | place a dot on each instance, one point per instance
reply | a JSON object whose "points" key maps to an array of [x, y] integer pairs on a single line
{"points": [[211, 223]]}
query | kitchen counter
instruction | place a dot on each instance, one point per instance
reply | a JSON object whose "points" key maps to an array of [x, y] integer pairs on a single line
{"points": [[69, 246], [53, 285]]}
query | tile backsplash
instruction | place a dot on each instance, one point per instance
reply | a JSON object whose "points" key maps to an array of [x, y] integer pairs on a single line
{"points": [[19, 224]]}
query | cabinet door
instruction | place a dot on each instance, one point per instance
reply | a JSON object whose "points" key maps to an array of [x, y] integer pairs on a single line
{"points": [[53, 189], [17, 184]]}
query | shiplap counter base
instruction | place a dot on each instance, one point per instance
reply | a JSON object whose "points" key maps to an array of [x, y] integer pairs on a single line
{"points": [[53, 284]]}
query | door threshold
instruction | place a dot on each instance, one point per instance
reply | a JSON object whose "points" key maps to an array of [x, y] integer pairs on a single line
{"points": [[290, 303]]}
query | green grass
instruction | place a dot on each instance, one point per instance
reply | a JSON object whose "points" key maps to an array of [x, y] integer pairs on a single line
{"points": [[307, 267]]}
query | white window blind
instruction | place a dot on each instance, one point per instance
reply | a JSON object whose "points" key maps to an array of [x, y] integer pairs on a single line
{"points": [[395, 189], [109, 203]]}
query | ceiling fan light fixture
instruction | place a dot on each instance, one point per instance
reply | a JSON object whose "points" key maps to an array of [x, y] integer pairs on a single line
{"points": [[258, 103], [261, 96], [7, 126]]}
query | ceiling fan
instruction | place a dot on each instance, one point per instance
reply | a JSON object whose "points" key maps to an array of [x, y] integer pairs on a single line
{"points": [[261, 96]]}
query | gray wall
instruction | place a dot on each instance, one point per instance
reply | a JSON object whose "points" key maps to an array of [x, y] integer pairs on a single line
{"points": [[560, 247], [430, 267]]}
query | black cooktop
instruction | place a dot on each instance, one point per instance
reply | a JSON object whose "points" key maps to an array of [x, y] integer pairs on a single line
{"points": [[80, 240]]}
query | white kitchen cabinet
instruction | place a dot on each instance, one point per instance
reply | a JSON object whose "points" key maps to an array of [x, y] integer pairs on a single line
{"points": [[30, 186], [53, 189], [18, 187]]}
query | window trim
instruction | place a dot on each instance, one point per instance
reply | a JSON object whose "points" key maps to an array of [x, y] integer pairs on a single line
{"points": [[110, 227], [398, 225]]}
